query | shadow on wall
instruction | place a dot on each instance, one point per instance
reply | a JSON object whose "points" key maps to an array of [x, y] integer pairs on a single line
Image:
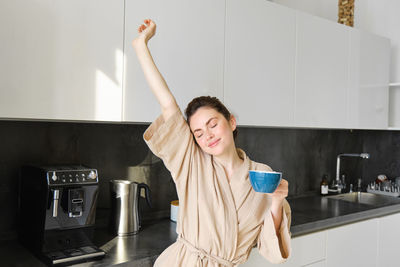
{"points": [[152, 172]]}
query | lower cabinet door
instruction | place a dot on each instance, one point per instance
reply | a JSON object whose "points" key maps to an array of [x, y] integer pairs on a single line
{"points": [[352, 245], [307, 250], [316, 264], [388, 241]]}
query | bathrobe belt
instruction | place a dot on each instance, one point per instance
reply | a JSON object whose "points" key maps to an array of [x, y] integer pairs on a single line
{"points": [[203, 254]]}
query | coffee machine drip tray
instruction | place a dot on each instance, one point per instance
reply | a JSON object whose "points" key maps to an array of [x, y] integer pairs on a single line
{"points": [[69, 256]]}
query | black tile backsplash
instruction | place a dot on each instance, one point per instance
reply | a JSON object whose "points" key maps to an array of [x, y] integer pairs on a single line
{"points": [[118, 151], [305, 155]]}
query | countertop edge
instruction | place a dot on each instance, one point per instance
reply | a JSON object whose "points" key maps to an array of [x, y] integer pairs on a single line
{"points": [[325, 224]]}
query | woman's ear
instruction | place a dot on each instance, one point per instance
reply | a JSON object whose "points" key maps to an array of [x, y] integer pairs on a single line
{"points": [[232, 121]]}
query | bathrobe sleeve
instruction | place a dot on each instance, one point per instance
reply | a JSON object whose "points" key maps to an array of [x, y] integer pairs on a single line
{"points": [[173, 142], [273, 248]]}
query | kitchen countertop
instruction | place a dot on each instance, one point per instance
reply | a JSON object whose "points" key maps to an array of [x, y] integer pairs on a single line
{"points": [[309, 214], [142, 249], [314, 213]]}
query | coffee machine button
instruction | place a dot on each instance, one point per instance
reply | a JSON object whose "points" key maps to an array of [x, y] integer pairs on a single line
{"points": [[92, 175], [54, 177]]}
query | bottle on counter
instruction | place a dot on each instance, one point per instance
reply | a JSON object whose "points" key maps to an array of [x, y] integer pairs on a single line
{"points": [[324, 185], [344, 182], [359, 185]]}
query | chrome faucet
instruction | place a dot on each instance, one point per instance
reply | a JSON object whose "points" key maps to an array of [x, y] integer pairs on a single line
{"points": [[338, 183]]}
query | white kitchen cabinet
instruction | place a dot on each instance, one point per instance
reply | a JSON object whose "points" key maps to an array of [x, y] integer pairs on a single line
{"points": [[61, 59], [188, 49], [372, 242], [322, 68], [307, 250], [394, 106], [272, 66], [368, 103], [310, 72], [352, 245], [388, 241], [260, 41]]}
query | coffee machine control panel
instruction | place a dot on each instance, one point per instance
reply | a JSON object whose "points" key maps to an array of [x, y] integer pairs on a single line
{"points": [[70, 177]]}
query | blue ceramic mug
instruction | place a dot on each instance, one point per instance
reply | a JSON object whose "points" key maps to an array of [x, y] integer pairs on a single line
{"points": [[265, 181]]}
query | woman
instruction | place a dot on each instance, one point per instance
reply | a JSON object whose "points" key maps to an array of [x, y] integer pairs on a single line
{"points": [[221, 217]]}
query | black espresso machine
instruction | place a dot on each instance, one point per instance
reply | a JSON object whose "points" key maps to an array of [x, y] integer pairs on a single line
{"points": [[57, 208]]}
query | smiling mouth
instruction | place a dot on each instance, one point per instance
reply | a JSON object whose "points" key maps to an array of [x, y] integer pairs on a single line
{"points": [[213, 144]]}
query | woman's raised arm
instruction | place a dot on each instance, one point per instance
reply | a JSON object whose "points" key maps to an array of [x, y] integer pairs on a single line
{"points": [[153, 76]]}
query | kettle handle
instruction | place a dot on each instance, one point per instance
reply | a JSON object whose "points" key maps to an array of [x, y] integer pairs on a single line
{"points": [[148, 198], [147, 192]]}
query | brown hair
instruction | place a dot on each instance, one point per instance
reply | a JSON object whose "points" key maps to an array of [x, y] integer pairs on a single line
{"points": [[211, 102]]}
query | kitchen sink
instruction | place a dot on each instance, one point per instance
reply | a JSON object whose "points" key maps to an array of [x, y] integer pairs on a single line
{"points": [[364, 198]]}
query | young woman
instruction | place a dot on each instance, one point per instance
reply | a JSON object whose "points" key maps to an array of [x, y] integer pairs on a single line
{"points": [[221, 218]]}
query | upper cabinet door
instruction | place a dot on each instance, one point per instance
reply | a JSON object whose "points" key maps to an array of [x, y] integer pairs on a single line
{"points": [[369, 80], [187, 48], [259, 62], [61, 59], [321, 72]]}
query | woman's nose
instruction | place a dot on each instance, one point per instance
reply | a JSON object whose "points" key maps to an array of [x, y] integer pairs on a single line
{"points": [[210, 135]]}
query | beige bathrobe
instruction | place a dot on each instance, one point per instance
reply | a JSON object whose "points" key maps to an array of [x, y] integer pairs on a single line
{"points": [[219, 221]]}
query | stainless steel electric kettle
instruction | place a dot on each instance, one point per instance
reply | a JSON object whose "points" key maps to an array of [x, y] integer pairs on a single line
{"points": [[125, 214]]}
